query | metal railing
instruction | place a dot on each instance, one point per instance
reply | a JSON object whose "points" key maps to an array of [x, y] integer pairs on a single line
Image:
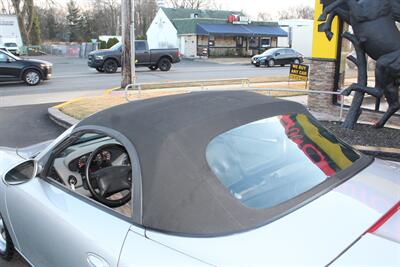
{"points": [[245, 86], [245, 83]]}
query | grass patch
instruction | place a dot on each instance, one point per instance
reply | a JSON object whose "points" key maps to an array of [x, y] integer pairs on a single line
{"points": [[83, 107]]}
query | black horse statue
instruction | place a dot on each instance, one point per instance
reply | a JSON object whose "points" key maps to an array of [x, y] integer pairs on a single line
{"points": [[375, 35]]}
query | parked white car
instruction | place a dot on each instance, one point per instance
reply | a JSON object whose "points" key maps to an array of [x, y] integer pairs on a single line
{"points": [[13, 48]]}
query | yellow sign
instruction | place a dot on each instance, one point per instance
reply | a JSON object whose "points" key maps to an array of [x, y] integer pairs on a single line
{"points": [[322, 47], [298, 72]]}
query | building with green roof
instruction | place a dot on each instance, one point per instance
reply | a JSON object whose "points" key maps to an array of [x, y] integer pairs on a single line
{"points": [[211, 33]]}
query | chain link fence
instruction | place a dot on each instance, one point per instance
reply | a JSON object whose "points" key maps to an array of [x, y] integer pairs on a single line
{"points": [[66, 50]]}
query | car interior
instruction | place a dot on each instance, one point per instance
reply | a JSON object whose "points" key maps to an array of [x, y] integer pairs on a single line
{"points": [[98, 167]]}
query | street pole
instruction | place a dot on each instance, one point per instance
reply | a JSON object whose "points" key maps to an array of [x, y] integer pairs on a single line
{"points": [[128, 42], [133, 48]]}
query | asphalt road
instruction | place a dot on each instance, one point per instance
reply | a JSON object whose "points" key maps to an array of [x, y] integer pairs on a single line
{"points": [[23, 126], [73, 78]]}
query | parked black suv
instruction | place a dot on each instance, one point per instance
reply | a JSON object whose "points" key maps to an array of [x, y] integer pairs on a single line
{"points": [[109, 60], [31, 71]]}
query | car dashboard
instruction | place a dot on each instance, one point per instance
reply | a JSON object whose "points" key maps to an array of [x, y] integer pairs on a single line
{"points": [[69, 168]]}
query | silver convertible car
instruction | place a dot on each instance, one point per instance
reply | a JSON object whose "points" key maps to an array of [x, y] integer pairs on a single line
{"points": [[201, 179]]}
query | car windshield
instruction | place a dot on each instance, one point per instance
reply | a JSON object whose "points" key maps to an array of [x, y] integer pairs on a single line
{"points": [[271, 161], [10, 45], [116, 47], [269, 52]]}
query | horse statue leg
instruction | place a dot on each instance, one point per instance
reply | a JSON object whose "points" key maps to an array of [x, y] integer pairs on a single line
{"points": [[327, 26], [392, 97], [328, 9], [355, 109]]}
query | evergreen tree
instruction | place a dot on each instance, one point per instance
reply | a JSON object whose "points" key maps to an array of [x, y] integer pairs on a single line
{"points": [[36, 32], [74, 20]]}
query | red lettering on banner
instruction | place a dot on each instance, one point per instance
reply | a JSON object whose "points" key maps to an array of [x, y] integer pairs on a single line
{"points": [[294, 134]]}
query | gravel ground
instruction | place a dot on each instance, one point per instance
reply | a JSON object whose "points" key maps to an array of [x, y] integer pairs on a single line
{"points": [[366, 135]]}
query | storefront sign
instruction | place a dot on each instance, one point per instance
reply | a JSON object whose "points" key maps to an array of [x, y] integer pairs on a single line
{"points": [[235, 19], [6, 23], [299, 72]]}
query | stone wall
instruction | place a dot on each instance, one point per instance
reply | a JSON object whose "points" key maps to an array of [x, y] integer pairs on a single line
{"points": [[322, 78]]}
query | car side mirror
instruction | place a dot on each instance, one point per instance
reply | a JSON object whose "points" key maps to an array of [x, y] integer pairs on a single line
{"points": [[22, 173], [277, 54], [9, 60]]}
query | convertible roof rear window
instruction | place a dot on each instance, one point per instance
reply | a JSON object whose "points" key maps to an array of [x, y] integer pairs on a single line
{"points": [[271, 161]]}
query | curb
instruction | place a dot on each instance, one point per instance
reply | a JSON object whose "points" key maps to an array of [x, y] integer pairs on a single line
{"points": [[60, 118]]}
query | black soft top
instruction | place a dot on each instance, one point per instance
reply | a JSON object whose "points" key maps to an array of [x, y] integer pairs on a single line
{"points": [[180, 192]]}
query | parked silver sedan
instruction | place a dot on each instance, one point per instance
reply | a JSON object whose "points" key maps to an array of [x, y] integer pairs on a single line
{"points": [[201, 179]]}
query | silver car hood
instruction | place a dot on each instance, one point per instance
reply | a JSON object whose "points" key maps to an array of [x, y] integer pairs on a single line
{"points": [[313, 235]]}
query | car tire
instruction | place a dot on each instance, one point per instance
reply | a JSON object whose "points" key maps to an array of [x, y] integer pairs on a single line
{"points": [[153, 67], [271, 63], [164, 64], [100, 69], [110, 66], [296, 61], [282, 65], [6, 244], [257, 65], [32, 77]]}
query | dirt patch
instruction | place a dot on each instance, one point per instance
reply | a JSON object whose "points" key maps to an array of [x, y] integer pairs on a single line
{"points": [[366, 135]]}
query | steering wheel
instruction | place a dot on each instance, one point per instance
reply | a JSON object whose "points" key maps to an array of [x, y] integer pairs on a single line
{"points": [[109, 181]]}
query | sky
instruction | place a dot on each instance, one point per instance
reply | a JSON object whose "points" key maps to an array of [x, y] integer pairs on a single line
{"points": [[254, 7], [250, 7]]}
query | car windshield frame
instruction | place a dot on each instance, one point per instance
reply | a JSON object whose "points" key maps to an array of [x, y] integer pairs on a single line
{"points": [[270, 52], [10, 55], [116, 47]]}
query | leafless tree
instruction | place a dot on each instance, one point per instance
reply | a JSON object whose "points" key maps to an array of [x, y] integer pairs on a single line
{"points": [[263, 16], [24, 9], [192, 4], [298, 12], [5, 7]]}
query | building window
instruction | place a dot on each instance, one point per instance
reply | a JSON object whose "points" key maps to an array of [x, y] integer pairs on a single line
{"points": [[253, 43], [265, 42]]}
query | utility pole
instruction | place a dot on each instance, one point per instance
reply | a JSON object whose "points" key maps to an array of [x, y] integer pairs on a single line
{"points": [[128, 42]]}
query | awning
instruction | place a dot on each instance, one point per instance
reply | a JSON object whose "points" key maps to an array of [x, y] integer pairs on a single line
{"points": [[240, 30]]}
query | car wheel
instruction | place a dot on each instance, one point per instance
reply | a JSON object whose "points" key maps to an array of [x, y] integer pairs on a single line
{"points": [[32, 77], [99, 69], [296, 61], [257, 65], [6, 244], [153, 67], [110, 66], [164, 64], [271, 63], [282, 65]]}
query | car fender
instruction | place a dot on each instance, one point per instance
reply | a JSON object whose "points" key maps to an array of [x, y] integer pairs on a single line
{"points": [[165, 56], [9, 158], [29, 68], [113, 58]]}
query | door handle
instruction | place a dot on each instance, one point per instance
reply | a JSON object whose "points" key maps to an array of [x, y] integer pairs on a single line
{"points": [[96, 261]]}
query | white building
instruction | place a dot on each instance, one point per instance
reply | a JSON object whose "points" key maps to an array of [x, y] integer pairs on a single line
{"points": [[9, 30], [300, 35], [211, 33]]}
